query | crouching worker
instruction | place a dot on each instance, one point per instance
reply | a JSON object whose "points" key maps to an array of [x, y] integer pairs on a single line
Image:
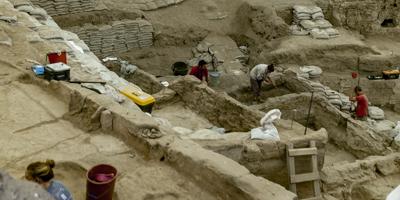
{"points": [[200, 71], [42, 173], [259, 74], [362, 104]]}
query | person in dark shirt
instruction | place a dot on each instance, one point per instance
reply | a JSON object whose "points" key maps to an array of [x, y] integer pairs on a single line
{"points": [[362, 104], [200, 71], [42, 173]]}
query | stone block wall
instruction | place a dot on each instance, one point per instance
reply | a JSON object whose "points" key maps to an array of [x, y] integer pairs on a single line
{"points": [[63, 7], [120, 36]]}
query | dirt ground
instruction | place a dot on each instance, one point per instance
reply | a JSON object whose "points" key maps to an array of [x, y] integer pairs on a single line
{"points": [[33, 129], [179, 115]]}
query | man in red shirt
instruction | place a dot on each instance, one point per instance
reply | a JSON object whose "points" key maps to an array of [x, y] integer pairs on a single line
{"points": [[200, 71], [362, 104]]}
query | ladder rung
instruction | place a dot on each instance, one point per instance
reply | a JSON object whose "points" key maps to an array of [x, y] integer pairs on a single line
{"points": [[303, 151], [300, 178]]}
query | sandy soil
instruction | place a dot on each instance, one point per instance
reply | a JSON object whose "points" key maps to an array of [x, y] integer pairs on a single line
{"points": [[377, 189], [334, 155], [179, 115], [32, 128], [246, 95], [157, 60]]}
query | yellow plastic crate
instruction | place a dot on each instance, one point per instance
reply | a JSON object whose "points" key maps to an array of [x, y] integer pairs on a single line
{"points": [[140, 98]]}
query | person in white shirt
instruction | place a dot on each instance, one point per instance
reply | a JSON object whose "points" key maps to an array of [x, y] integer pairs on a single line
{"points": [[259, 74]]}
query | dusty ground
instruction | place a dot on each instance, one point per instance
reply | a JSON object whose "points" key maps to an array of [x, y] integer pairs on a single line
{"points": [[179, 115], [33, 128]]}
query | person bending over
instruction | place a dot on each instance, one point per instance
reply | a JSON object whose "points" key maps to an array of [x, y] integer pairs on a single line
{"points": [[42, 173], [200, 71], [259, 74]]}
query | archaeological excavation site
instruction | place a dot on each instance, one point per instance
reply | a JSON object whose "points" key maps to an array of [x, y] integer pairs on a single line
{"points": [[199, 100]]}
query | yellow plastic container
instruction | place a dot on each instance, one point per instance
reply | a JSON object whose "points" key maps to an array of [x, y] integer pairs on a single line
{"points": [[140, 98]]}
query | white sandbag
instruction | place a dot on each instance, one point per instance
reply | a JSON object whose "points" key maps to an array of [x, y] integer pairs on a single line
{"points": [[376, 113], [308, 24], [336, 102], [332, 32], [268, 130], [301, 9], [396, 130], [314, 9], [297, 30], [394, 195], [323, 24], [270, 134], [318, 15]]}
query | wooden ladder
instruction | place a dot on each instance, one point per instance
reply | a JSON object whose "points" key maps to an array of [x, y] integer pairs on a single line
{"points": [[294, 178]]}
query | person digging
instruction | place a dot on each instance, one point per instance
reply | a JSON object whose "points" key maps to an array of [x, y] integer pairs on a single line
{"points": [[361, 112], [259, 74]]}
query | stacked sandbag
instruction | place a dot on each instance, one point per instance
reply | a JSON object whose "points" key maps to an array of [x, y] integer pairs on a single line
{"points": [[339, 100], [311, 72], [310, 20], [63, 7], [376, 113], [118, 37]]}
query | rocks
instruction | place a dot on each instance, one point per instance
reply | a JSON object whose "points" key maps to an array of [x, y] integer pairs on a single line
{"points": [[310, 20], [12, 189], [376, 113]]}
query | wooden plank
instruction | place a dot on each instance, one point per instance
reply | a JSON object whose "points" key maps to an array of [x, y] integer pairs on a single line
{"points": [[314, 160], [300, 178], [303, 151], [291, 168]]}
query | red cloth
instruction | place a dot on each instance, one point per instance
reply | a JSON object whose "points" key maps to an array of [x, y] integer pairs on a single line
{"points": [[199, 72], [362, 106]]}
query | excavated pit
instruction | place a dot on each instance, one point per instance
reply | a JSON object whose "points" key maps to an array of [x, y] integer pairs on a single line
{"points": [[192, 106]]}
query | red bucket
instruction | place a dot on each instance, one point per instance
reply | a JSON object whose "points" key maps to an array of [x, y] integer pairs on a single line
{"points": [[57, 57], [100, 182]]}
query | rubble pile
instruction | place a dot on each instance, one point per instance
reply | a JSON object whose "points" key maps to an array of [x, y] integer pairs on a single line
{"points": [[311, 21], [120, 36]]}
